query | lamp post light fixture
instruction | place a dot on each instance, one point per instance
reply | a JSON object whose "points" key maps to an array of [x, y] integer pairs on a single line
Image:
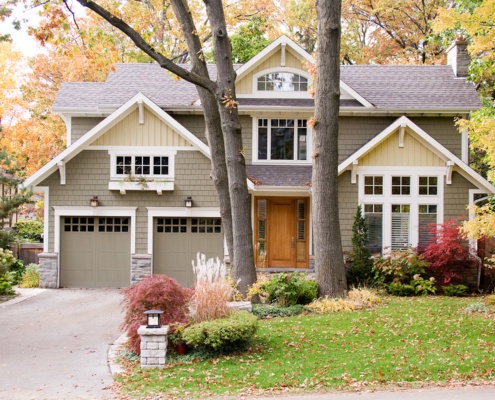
{"points": [[153, 318], [188, 201], [94, 202]]}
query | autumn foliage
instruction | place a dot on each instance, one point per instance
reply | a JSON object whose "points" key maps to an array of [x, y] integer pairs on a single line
{"points": [[447, 254], [153, 292]]}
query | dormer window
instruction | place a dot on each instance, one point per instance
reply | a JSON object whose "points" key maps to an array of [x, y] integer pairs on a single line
{"points": [[282, 82]]}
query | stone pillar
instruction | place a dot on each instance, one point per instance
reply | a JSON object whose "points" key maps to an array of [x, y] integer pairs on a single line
{"points": [[48, 270], [153, 346], [140, 267]]}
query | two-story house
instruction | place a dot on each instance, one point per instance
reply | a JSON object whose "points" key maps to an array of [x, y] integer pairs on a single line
{"points": [[131, 194]]}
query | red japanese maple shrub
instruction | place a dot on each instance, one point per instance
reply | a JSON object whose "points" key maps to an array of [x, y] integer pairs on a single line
{"points": [[158, 292], [447, 254]]}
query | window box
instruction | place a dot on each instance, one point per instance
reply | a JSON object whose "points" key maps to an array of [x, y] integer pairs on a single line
{"points": [[157, 185]]}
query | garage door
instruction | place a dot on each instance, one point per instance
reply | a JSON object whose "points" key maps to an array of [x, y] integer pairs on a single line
{"points": [[176, 242], [95, 252]]}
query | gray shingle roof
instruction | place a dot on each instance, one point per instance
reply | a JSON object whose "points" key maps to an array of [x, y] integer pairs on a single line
{"points": [[389, 87], [410, 86], [279, 175]]}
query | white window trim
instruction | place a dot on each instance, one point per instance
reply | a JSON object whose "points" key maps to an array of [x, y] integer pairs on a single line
{"points": [[279, 95], [153, 152], [414, 199], [309, 144]]}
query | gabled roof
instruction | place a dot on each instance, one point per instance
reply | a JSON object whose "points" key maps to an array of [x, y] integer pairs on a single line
{"points": [[428, 141], [376, 88], [85, 141]]}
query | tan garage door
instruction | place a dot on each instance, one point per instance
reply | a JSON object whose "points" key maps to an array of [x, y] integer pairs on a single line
{"points": [[176, 242], [95, 252]]}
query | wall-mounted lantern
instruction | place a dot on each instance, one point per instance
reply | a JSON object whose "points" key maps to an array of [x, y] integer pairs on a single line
{"points": [[94, 202], [153, 318], [188, 201]]}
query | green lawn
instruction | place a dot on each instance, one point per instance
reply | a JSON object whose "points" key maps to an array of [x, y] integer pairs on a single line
{"points": [[412, 340]]}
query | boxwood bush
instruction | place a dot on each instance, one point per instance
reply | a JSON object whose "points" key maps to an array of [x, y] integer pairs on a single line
{"points": [[226, 333]]}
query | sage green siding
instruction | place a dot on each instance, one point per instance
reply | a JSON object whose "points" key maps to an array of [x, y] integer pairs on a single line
{"points": [[82, 125], [348, 202], [457, 197], [88, 174]]}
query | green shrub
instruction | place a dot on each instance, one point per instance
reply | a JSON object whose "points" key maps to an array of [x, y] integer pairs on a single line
{"points": [[30, 277], [400, 266], [271, 311], [29, 230], [6, 238], [11, 265], [5, 286], [230, 332], [455, 290], [287, 289], [400, 289]]}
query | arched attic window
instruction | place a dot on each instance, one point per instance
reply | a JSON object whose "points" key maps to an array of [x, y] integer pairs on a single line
{"points": [[282, 82]]}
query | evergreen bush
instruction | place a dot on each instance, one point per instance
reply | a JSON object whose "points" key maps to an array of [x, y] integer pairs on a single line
{"points": [[29, 230], [360, 271], [226, 333]]}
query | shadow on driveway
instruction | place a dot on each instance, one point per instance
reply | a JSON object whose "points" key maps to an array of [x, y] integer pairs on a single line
{"points": [[54, 345]]}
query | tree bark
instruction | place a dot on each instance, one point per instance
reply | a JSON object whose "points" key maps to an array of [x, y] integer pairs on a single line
{"points": [[329, 262], [244, 271], [223, 90], [213, 122]]}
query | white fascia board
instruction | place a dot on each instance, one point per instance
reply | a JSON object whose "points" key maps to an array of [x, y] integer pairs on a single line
{"points": [[356, 95], [427, 140], [84, 142], [271, 48]]}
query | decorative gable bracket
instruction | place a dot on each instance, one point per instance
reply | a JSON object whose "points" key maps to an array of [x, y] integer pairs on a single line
{"points": [[402, 134], [450, 166], [61, 170], [354, 171], [141, 111]]}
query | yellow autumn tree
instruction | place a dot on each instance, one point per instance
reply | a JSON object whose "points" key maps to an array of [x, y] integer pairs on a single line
{"points": [[475, 21]]}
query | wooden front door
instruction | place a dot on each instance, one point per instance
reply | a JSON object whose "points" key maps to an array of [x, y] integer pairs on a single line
{"points": [[281, 232]]}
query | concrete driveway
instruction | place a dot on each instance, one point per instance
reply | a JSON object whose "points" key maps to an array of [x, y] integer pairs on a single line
{"points": [[54, 345]]}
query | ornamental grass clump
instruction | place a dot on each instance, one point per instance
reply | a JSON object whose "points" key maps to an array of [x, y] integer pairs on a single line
{"points": [[212, 289], [153, 292], [357, 299], [30, 277]]}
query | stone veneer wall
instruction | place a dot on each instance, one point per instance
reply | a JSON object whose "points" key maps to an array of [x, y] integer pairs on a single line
{"points": [[48, 270], [140, 267]]}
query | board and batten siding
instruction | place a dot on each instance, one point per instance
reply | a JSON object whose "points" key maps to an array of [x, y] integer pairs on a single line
{"points": [[245, 85], [355, 132], [154, 132], [389, 154], [88, 174]]}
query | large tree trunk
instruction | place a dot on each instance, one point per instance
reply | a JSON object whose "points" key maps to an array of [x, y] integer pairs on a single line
{"points": [[329, 263], [244, 271], [213, 122]]}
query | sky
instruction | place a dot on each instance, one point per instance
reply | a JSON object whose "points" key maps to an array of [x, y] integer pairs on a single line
{"points": [[21, 39]]}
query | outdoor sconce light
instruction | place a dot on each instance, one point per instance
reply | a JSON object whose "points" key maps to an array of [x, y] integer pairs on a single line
{"points": [[188, 201], [153, 318], [94, 202]]}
